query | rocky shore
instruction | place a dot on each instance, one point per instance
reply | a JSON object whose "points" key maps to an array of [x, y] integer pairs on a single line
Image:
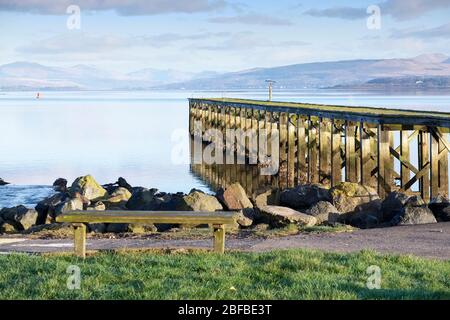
{"points": [[306, 205]]}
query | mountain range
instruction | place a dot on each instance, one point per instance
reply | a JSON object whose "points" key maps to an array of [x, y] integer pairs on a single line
{"points": [[422, 71]]}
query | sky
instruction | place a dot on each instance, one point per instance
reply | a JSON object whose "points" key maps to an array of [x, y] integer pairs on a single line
{"points": [[218, 35]]}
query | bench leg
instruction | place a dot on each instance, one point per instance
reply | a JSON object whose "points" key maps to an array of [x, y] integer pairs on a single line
{"points": [[219, 239], [80, 239]]}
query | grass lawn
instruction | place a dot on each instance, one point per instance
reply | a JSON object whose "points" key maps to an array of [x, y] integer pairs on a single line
{"points": [[293, 274]]}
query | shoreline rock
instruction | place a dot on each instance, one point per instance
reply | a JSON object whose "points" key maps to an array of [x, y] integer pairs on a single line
{"points": [[304, 205], [3, 182]]}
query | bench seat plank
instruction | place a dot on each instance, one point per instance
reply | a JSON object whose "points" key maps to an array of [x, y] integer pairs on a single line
{"points": [[147, 217]]}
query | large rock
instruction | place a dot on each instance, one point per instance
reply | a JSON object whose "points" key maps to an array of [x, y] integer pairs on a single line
{"points": [[120, 183], [304, 196], [268, 198], [445, 214], [147, 200], [46, 208], [98, 206], [8, 228], [141, 228], [364, 216], [60, 185], [393, 205], [246, 217], [199, 201], [324, 212], [21, 217], [281, 216], [414, 215], [440, 206], [347, 196], [3, 182], [234, 198], [118, 199], [88, 187], [75, 204]]}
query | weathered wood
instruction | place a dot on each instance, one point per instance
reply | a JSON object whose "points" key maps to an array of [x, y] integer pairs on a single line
{"points": [[313, 153], [283, 120], [424, 162], [351, 170], [302, 150], [311, 148], [325, 152], [219, 239], [79, 218], [366, 162], [443, 168], [336, 153], [80, 239], [147, 217], [291, 151], [384, 162], [413, 118]]}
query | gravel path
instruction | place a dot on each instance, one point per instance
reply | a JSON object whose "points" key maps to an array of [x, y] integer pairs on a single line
{"points": [[429, 241]]}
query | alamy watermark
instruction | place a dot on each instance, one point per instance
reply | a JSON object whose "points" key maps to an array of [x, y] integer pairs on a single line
{"points": [[74, 19], [74, 278], [374, 279], [374, 20], [234, 146]]}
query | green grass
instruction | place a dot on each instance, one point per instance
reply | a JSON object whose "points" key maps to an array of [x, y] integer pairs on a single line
{"points": [[295, 274]]}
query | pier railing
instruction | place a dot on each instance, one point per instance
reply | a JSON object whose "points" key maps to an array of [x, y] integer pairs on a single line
{"points": [[388, 149]]}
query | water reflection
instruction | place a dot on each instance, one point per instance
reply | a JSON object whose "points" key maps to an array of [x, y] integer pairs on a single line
{"points": [[217, 176]]}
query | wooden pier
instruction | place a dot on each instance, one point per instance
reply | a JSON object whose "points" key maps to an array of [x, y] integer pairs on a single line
{"points": [[388, 149]]}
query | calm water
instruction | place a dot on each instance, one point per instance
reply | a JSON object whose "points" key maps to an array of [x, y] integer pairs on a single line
{"points": [[129, 134]]}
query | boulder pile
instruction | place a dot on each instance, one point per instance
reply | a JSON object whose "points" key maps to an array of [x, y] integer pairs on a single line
{"points": [[305, 205]]}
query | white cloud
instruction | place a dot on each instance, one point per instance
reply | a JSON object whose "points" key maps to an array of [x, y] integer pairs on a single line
{"points": [[126, 8], [442, 31], [398, 9], [252, 19], [87, 43], [348, 13], [410, 9]]}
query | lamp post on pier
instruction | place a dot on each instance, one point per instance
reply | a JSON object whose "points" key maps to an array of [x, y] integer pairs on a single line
{"points": [[270, 82]]}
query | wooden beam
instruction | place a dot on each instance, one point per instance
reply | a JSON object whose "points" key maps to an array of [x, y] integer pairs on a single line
{"points": [[405, 170], [435, 174], [325, 152], [219, 239], [336, 153], [313, 168], [291, 151], [302, 150], [80, 239], [283, 149], [365, 155], [351, 171], [385, 169]]}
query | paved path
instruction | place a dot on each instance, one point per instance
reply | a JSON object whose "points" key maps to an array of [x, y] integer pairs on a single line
{"points": [[430, 241]]}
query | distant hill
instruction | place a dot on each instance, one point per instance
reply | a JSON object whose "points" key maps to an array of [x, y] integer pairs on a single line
{"points": [[325, 74], [402, 84], [34, 76], [435, 68]]}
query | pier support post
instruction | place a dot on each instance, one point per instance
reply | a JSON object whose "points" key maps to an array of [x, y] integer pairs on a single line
{"points": [[313, 152], [336, 153], [291, 150], [351, 170], [325, 151], [384, 162], [302, 150]]}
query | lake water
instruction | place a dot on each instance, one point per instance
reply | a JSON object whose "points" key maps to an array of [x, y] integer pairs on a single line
{"points": [[128, 134]]}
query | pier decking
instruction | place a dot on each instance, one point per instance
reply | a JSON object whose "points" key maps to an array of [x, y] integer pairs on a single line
{"points": [[388, 149]]}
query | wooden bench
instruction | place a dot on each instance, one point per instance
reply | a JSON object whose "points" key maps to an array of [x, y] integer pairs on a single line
{"points": [[79, 219]]}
